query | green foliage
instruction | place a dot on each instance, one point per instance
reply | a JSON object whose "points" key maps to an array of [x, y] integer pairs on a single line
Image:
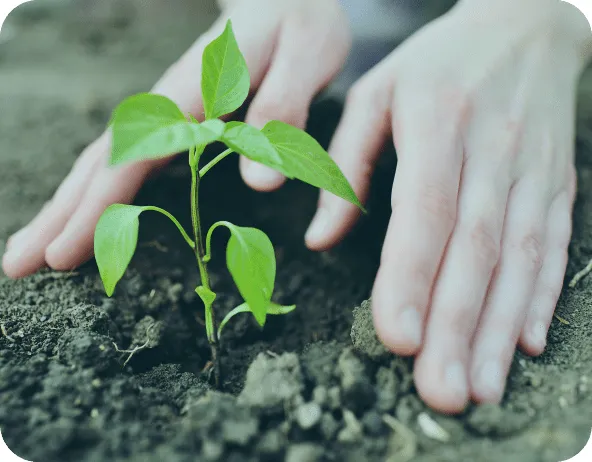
{"points": [[251, 261], [116, 237], [304, 158], [148, 126], [250, 142], [273, 309], [225, 77]]}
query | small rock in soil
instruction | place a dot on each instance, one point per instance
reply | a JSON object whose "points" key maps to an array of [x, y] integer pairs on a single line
{"points": [[358, 392], [373, 423], [304, 452], [320, 395], [387, 389], [408, 408], [90, 317], [319, 360], [218, 417], [272, 442], [272, 382], [329, 426], [80, 348], [493, 420], [352, 432], [308, 415], [334, 398], [147, 333], [363, 334]]}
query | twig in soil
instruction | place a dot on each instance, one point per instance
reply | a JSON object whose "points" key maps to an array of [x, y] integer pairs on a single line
{"points": [[136, 349], [272, 354], [561, 320], [8, 337], [581, 274], [405, 451]]}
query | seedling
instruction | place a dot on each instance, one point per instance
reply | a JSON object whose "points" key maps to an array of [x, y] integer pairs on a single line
{"points": [[149, 126]]}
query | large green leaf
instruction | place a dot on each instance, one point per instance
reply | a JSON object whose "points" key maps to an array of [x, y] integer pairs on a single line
{"points": [[250, 142], [149, 126], [273, 309], [225, 77], [116, 237], [304, 158]]}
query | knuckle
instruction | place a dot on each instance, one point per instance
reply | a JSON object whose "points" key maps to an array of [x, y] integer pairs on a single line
{"points": [[531, 247], [435, 202], [485, 242]]}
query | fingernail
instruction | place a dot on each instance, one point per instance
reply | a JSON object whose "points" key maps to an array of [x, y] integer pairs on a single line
{"points": [[318, 227], [456, 378], [538, 335], [490, 381], [411, 325]]}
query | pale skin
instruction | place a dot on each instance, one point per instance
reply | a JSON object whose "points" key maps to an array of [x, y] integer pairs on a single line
{"points": [[481, 107]]}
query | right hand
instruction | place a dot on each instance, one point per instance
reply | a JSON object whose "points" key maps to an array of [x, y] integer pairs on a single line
{"points": [[292, 49]]}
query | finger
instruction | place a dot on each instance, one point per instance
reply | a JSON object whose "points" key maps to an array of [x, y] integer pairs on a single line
{"points": [[301, 66], [424, 203], [511, 290], [74, 245], [26, 253], [441, 368], [355, 148], [550, 281]]}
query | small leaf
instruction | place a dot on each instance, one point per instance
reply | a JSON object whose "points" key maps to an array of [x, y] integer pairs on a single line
{"points": [[149, 126], [225, 80], [250, 142], [304, 158], [273, 309], [116, 237]]}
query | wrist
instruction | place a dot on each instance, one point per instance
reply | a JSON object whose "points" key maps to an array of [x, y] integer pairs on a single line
{"points": [[562, 23]]}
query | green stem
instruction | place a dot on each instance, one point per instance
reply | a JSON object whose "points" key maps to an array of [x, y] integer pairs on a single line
{"points": [[199, 254], [208, 255], [175, 221], [206, 168]]}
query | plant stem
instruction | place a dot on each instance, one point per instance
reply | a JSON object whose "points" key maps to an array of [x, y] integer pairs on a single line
{"points": [[175, 221], [199, 254], [206, 168]]}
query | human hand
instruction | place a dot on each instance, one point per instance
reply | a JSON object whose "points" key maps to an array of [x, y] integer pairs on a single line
{"points": [[292, 50], [481, 104]]}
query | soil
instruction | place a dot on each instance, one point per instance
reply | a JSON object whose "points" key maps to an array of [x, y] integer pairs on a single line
{"points": [[308, 387]]}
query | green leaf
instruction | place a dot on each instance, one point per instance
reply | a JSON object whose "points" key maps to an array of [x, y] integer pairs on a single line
{"points": [[149, 126], [225, 80], [273, 309], [116, 237], [304, 158], [251, 261], [250, 142]]}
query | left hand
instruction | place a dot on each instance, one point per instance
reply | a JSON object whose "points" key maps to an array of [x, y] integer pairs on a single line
{"points": [[482, 109]]}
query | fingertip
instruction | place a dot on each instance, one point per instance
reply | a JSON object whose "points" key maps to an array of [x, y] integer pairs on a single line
{"points": [[260, 177], [442, 385], [533, 341], [64, 254], [488, 382]]}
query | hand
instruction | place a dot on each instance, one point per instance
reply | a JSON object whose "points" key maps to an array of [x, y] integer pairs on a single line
{"points": [[481, 104], [292, 50]]}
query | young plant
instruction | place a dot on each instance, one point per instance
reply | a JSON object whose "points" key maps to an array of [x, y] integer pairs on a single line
{"points": [[149, 126]]}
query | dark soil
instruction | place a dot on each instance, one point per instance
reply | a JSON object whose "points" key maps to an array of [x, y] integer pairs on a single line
{"points": [[300, 390]]}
